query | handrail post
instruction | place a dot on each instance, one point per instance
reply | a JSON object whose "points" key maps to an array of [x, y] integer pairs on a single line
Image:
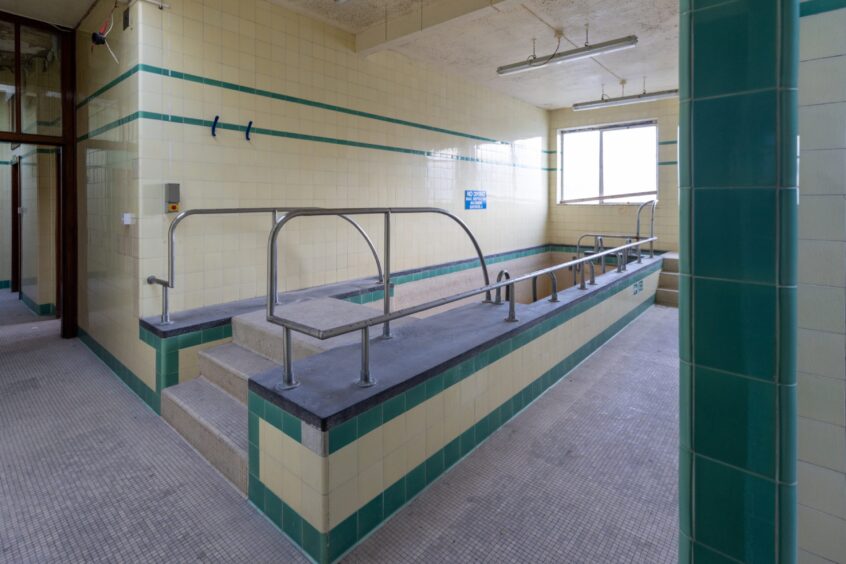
{"points": [[534, 289], [619, 261], [165, 306], [592, 274], [289, 381], [502, 275], [365, 379], [602, 258], [386, 328], [582, 278], [639, 254], [512, 303], [554, 294], [652, 230], [575, 271]]}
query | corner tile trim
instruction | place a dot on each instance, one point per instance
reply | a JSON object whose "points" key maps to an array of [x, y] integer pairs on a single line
{"points": [[813, 7], [133, 382]]}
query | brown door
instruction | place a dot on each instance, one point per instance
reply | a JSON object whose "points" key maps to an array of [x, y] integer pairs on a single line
{"points": [[15, 284]]}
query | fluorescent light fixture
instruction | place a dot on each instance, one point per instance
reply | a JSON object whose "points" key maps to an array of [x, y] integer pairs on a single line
{"points": [[625, 100], [574, 55]]}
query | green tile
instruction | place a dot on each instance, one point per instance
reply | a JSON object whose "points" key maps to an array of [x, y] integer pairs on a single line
{"points": [[735, 141], [685, 405], [273, 508], [343, 434], [415, 481], [394, 497], [735, 235], [788, 534], [253, 461], [314, 543], [734, 327], [434, 386], [452, 452], [253, 429], [734, 512], [292, 523], [468, 441], [273, 415], [685, 317], [735, 420], [704, 555], [787, 327], [787, 435], [685, 491], [415, 396], [369, 420], [255, 404], [734, 48], [434, 466], [370, 516], [255, 492], [393, 407], [190, 339], [788, 230], [291, 426], [343, 536]]}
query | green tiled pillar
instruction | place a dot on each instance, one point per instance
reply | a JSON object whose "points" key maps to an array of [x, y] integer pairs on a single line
{"points": [[737, 316]]}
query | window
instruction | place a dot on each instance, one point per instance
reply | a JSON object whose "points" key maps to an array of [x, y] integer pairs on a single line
{"points": [[616, 164]]}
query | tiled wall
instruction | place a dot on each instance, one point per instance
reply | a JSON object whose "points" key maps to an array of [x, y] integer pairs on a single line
{"points": [[822, 288], [330, 128], [107, 152], [38, 226], [327, 490], [568, 222]]}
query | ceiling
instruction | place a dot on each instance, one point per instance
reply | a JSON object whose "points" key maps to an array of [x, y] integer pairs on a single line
{"points": [[474, 47], [66, 13]]}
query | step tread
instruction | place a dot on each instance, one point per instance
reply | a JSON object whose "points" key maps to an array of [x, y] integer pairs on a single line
{"points": [[230, 366], [214, 409]]}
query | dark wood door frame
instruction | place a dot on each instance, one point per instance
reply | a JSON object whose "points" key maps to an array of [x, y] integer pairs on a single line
{"points": [[15, 283], [67, 222]]}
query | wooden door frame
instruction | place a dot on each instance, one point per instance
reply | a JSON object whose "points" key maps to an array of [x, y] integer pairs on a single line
{"points": [[15, 283], [67, 222]]}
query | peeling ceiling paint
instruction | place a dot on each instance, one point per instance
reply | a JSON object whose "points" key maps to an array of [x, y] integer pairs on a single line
{"points": [[474, 47]]}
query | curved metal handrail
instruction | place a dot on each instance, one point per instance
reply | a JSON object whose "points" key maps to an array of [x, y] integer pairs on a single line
{"points": [[272, 261], [288, 379], [171, 245]]}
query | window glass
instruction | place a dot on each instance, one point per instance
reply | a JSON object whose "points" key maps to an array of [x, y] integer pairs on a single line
{"points": [[615, 165], [41, 109], [7, 76]]}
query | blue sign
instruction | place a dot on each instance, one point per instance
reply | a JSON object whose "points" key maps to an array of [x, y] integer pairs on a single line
{"points": [[475, 200]]}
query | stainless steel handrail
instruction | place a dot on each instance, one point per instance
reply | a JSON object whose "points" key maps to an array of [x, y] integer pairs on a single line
{"points": [[288, 378], [272, 272], [624, 236], [171, 245]]}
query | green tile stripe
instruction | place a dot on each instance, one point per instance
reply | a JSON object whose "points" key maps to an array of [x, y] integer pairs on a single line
{"points": [[356, 427], [328, 547], [5, 284], [38, 309], [167, 350], [5, 163], [277, 96], [668, 142], [292, 135], [150, 397], [813, 7], [667, 163]]}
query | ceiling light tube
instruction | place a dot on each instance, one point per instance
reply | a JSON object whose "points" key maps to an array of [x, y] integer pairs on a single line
{"points": [[624, 100], [574, 55]]}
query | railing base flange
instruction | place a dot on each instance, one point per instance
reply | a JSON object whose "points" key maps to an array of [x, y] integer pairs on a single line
{"points": [[363, 384], [283, 387]]}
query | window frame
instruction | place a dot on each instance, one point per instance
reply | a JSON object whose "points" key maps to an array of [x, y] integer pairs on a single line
{"points": [[601, 199]]}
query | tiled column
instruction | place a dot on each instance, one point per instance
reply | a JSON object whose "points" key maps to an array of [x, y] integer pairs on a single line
{"points": [[738, 205]]}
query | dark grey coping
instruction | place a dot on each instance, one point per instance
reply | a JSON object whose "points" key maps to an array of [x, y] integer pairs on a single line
{"points": [[417, 352], [222, 314]]}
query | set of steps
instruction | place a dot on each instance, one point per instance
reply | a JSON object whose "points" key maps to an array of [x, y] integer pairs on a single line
{"points": [[210, 411], [668, 281]]}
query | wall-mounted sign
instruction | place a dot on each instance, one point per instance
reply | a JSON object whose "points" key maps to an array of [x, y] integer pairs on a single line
{"points": [[475, 200]]}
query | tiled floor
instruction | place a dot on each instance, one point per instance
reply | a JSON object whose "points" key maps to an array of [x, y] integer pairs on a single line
{"points": [[586, 474]]}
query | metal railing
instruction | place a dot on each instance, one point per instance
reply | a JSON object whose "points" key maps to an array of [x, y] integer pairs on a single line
{"points": [[365, 379], [275, 211], [272, 273]]}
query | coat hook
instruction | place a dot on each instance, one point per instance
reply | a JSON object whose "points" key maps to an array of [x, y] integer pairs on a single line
{"points": [[249, 126], [214, 126]]}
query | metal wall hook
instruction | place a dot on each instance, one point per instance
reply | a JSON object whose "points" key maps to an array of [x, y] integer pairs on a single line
{"points": [[214, 126], [249, 127]]}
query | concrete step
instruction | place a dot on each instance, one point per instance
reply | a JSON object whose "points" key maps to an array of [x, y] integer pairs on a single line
{"points": [[230, 366], [213, 422], [668, 280], [670, 262], [252, 331], [667, 297]]}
